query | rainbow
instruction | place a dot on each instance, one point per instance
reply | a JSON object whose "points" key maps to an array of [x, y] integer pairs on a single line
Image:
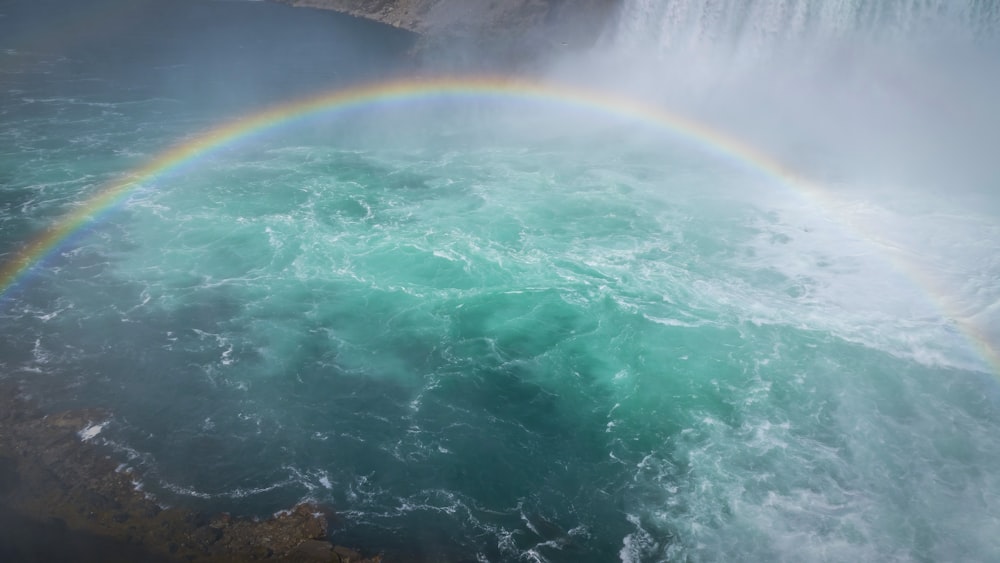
{"points": [[32, 255]]}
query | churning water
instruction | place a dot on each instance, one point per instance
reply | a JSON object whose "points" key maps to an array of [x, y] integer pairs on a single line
{"points": [[501, 327]]}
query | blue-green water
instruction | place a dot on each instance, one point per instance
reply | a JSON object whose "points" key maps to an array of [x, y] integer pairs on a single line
{"points": [[496, 331]]}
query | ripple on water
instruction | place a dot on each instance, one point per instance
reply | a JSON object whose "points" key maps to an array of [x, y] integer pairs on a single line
{"points": [[519, 350]]}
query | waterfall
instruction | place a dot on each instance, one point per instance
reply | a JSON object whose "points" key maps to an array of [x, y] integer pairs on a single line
{"points": [[757, 28], [876, 77]]}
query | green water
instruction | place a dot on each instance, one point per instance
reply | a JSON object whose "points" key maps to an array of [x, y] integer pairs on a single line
{"points": [[504, 345], [498, 331]]}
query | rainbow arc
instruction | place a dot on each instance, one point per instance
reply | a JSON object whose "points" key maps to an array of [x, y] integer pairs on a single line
{"points": [[33, 255]]}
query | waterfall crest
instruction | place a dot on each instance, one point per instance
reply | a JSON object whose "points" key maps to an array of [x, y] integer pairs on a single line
{"points": [[755, 28]]}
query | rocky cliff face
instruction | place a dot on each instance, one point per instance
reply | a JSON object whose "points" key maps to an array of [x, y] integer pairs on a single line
{"points": [[508, 24], [405, 14]]}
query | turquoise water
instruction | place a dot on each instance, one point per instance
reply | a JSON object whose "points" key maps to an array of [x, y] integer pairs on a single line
{"points": [[498, 331]]}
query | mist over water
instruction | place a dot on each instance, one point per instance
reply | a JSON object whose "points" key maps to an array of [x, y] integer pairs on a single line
{"points": [[503, 329], [896, 83]]}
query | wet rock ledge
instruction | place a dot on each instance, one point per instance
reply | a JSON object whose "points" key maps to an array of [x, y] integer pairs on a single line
{"points": [[542, 24], [65, 499]]}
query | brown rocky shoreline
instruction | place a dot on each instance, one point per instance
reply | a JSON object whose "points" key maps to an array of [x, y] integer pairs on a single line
{"points": [[64, 498]]}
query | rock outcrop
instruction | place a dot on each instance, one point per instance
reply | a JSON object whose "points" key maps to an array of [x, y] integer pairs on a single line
{"points": [[500, 25], [63, 497]]}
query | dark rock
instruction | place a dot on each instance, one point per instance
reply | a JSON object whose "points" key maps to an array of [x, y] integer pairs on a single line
{"points": [[54, 483], [512, 29], [313, 550], [9, 478], [345, 555]]}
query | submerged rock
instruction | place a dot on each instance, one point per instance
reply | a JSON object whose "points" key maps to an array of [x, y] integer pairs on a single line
{"points": [[62, 495]]}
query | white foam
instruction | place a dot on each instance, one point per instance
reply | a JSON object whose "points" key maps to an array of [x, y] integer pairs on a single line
{"points": [[91, 431], [39, 354], [637, 544], [185, 491]]}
